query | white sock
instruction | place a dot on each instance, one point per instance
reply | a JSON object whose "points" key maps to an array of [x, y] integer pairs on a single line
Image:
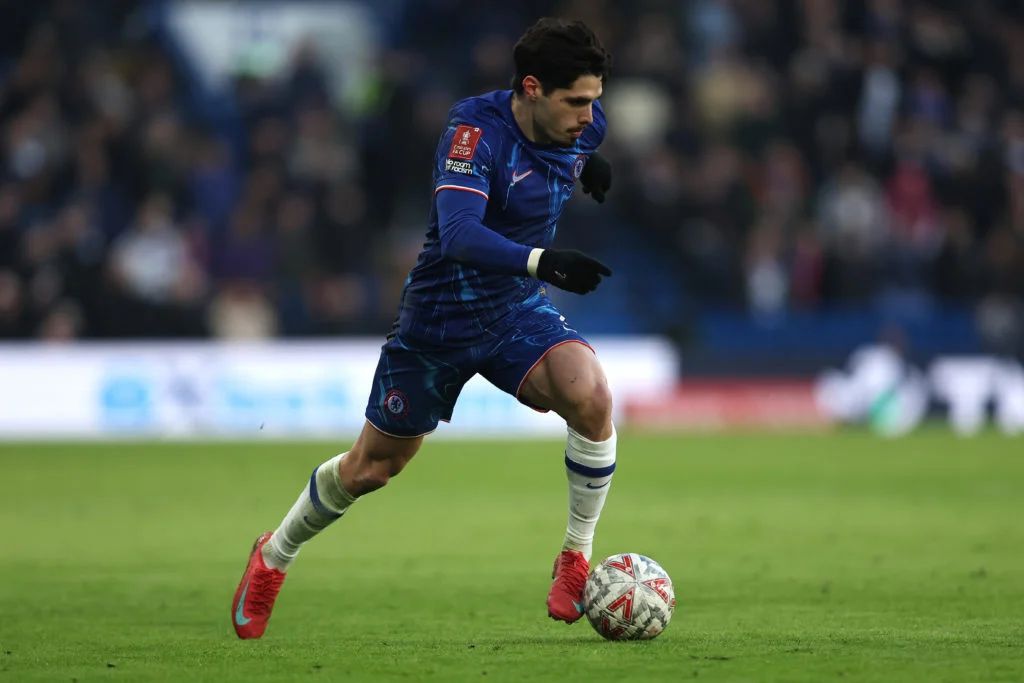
{"points": [[589, 466], [321, 502]]}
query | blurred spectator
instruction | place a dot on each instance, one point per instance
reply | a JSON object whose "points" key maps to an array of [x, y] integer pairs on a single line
{"points": [[240, 310], [157, 283], [1001, 322], [10, 236], [150, 261], [247, 251], [767, 282], [12, 307], [880, 99], [62, 324], [851, 212]]}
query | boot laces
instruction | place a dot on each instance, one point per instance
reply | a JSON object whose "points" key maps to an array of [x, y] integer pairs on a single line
{"points": [[266, 585], [572, 572]]}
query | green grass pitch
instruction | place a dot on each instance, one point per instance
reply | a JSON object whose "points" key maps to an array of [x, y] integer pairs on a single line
{"points": [[795, 558]]}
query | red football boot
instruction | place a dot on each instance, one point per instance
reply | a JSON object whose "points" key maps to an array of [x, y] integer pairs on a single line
{"points": [[255, 596], [565, 600]]}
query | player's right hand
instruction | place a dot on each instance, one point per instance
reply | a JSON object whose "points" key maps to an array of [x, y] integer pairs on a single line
{"points": [[571, 270], [596, 177]]}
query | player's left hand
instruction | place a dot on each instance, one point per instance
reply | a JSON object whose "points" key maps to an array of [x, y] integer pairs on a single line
{"points": [[571, 270], [596, 177]]}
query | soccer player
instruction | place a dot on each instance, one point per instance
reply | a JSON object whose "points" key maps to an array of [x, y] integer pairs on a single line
{"points": [[476, 302]]}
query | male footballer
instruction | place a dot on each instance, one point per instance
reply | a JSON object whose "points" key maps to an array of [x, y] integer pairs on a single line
{"points": [[476, 302]]}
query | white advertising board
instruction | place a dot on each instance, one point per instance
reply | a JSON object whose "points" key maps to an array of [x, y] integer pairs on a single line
{"points": [[279, 389]]}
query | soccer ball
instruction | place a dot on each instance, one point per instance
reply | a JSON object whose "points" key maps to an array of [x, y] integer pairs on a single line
{"points": [[629, 597]]}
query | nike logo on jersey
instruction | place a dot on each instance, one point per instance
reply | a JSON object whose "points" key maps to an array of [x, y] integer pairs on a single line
{"points": [[516, 177]]}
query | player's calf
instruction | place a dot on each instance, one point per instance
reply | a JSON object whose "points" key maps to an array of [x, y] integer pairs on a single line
{"points": [[368, 472], [375, 458]]}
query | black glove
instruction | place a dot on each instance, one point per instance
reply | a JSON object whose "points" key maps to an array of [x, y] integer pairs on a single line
{"points": [[571, 270], [596, 177]]}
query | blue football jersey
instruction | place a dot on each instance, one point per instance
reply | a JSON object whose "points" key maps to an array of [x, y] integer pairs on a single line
{"points": [[526, 185]]}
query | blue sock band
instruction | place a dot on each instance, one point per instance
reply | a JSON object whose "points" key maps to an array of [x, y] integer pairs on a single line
{"points": [[314, 497], [595, 472]]}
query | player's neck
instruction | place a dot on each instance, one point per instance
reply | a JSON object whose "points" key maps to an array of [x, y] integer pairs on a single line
{"points": [[522, 112]]}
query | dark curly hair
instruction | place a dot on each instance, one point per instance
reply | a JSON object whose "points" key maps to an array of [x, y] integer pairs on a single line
{"points": [[556, 52]]}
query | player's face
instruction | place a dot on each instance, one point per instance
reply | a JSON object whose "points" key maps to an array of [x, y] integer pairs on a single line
{"points": [[563, 113]]}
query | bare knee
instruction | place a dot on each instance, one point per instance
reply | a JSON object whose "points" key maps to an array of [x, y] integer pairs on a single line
{"points": [[590, 411]]}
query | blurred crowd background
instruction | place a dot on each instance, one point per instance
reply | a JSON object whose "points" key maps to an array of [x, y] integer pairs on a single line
{"points": [[786, 173]]}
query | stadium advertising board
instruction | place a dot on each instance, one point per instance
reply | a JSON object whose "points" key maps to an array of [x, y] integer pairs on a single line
{"points": [[891, 395], [319, 390], [293, 389]]}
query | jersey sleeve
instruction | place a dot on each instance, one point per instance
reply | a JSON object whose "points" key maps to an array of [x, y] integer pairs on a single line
{"points": [[464, 237], [464, 159], [461, 190]]}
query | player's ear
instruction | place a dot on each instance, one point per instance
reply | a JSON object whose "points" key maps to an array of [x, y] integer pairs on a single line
{"points": [[532, 88]]}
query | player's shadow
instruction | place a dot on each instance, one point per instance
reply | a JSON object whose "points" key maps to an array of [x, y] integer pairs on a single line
{"points": [[561, 641], [495, 644]]}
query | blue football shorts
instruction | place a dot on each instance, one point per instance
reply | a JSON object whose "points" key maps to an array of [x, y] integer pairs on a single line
{"points": [[416, 386]]}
